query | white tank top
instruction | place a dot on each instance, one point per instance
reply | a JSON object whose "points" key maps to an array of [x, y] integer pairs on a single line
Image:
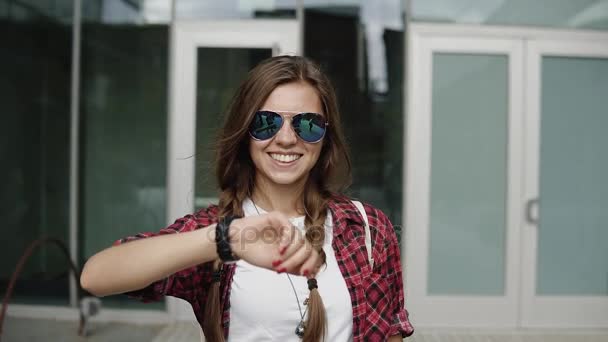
{"points": [[263, 306]]}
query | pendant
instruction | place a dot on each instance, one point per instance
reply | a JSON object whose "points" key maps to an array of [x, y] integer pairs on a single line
{"points": [[300, 329]]}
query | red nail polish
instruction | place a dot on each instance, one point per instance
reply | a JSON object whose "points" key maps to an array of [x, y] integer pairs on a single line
{"points": [[283, 249], [282, 270], [276, 263], [305, 273]]}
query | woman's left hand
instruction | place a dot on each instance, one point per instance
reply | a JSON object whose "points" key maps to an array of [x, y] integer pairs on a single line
{"points": [[298, 255]]}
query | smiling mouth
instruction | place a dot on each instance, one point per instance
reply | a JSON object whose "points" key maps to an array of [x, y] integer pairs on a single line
{"points": [[285, 158]]}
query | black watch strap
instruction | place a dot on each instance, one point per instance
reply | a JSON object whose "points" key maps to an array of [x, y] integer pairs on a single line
{"points": [[222, 239]]}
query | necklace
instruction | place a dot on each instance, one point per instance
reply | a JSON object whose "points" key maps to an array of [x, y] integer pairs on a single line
{"points": [[301, 326], [300, 329]]}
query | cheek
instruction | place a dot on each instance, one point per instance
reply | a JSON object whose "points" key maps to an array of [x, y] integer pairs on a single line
{"points": [[256, 150], [315, 152]]}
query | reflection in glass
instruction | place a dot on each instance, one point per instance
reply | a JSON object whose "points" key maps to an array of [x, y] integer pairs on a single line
{"points": [[219, 72], [582, 14], [234, 9], [124, 133], [468, 174], [573, 231], [360, 46], [35, 65]]}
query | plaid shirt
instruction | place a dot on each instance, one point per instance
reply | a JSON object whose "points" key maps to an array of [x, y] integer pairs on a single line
{"points": [[376, 295]]}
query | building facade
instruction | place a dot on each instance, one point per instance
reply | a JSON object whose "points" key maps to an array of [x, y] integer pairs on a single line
{"points": [[477, 126]]}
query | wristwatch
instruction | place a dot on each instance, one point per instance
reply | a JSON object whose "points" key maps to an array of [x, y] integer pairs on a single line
{"points": [[222, 240]]}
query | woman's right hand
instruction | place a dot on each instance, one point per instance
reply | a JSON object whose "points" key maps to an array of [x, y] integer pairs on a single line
{"points": [[272, 242]]}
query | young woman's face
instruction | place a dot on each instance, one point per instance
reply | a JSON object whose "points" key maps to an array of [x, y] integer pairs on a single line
{"points": [[285, 159]]}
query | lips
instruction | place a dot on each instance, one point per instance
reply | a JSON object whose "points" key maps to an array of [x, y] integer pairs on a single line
{"points": [[285, 158]]}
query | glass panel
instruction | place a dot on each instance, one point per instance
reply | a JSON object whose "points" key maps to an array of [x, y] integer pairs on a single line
{"points": [[584, 14], [124, 132], [360, 46], [573, 230], [59, 11], [35, 65], [468, 174], [234, 9], [219, 72]]}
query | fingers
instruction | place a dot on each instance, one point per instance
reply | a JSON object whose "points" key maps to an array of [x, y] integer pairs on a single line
{"points": [[297, 255], [290, 239], [256, 238], [277, 239], [291, 243], [311, 266], [294, 262]]}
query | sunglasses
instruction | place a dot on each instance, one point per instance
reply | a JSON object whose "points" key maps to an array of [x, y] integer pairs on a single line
{"points": [[310, 127]]}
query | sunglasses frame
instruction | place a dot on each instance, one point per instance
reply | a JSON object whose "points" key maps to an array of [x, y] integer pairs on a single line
{"points": [[290, 117]]}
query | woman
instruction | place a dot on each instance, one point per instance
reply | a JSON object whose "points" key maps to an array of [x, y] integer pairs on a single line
{"points": [[283, 256]]}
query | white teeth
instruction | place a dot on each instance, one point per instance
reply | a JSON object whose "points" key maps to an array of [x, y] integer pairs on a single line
{"points": [[285, 158]]}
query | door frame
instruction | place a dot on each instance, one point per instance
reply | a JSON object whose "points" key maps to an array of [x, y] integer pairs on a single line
{"points": [[284, 36], [448, 311], [280, 35], [456, 311], [549, 311]]}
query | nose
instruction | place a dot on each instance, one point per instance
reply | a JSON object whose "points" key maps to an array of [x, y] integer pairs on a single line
{"points": [[286, 135]]}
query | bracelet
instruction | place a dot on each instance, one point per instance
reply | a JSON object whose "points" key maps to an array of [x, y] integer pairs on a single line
{"points": [[222, 240]]}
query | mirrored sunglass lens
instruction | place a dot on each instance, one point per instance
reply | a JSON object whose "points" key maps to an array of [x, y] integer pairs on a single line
{"points": [[309, 126], [265, 125]]}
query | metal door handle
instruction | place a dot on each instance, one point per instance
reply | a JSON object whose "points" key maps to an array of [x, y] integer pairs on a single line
{"points": [[530, 204]]}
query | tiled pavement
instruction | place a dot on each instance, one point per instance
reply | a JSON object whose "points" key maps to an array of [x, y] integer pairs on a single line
{"points": [[34, 330]]}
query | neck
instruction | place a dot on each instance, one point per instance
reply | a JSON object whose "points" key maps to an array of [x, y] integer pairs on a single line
{"points": [[287, 199]]}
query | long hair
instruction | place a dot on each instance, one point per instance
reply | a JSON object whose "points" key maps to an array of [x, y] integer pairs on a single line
{"points": [[235, 170]]}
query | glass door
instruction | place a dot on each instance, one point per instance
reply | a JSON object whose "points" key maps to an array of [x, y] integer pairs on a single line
{"points": [[463, 170], [208, 61], [565, 235]]}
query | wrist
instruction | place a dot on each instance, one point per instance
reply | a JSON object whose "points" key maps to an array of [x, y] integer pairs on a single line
{"points": [[209, 236], [234, 234]]}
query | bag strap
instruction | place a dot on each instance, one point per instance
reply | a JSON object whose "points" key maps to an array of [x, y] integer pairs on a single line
{"points": [[368, 235]]}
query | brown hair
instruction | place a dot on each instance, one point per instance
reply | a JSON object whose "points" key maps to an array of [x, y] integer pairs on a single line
{"points": [[236, 172]]}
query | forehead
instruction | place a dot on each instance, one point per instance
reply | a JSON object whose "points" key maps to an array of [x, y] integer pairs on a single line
{"points": [[294, 97]]}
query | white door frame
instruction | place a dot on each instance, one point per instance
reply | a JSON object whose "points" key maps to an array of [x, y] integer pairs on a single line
{"points": [[456, 311], [520, 308], [551, 311], [282, 36]]}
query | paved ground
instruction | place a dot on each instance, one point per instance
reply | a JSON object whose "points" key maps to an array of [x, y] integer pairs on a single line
{"points": [[34, 330]]}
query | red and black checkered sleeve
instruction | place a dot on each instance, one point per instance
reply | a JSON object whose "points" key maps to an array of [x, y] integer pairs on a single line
{"points": [[400, 323], [185, 284]]}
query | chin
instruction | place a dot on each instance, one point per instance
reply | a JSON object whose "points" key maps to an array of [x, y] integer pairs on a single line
{"points": [[286, 179]]}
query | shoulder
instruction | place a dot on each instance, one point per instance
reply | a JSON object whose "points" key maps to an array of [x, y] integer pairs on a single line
{"points": [[343, 201], [377, 219]]}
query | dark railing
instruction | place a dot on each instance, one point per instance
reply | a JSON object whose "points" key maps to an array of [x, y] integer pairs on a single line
{"points": [[26, 255]]}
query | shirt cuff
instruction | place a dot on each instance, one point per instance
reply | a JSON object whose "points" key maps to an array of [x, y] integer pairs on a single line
{"points": [[401, 325]]}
